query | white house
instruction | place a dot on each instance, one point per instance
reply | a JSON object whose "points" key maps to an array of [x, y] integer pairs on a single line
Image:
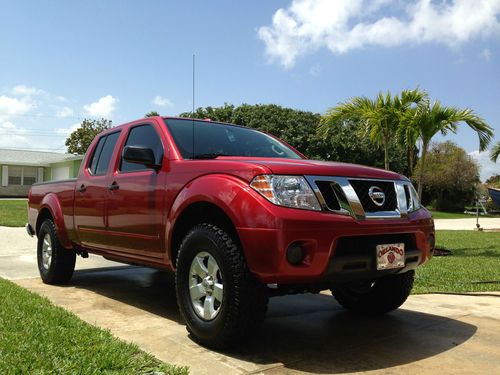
{"points": [[19, 169]]}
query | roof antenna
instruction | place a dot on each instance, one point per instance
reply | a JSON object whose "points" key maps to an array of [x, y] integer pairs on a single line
{"points": [[192, 113]]}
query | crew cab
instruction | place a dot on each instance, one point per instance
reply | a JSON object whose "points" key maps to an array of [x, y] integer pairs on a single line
{"points": [[239, 216]]}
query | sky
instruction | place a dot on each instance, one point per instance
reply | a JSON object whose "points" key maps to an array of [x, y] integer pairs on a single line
{"points": [[62, 61]]}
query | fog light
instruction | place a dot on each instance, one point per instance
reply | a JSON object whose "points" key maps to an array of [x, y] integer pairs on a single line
{"points": [[295, 253]]}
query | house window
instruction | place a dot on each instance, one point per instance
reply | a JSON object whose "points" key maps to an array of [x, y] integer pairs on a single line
{"points": [[22, 175], [29, 175], [15, 175]]}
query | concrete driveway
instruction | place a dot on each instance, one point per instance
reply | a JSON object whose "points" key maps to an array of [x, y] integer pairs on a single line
{"points": [[302, 334]]}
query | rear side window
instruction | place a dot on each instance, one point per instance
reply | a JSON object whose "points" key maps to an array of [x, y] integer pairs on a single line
{"points": [[102, 155], [143, 136], [97, 152]]}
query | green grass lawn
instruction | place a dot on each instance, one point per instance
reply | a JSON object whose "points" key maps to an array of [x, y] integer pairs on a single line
{"points": [[474, 265], [13, 213], [450, 215], [38, 337]]}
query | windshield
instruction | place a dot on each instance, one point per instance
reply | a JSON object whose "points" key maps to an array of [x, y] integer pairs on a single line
{"points": [[212, 139]]}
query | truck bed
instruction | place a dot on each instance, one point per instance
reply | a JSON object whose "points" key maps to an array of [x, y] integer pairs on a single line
{"points": [[63, 191]]}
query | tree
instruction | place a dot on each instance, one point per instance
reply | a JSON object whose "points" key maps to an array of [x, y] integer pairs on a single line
{"points": [[151, 114], [432, 119], [450, 179], [298, 128], [381, 116], [79, 141], [345, 142], [495, 152], [222, 114], [493, 180]]}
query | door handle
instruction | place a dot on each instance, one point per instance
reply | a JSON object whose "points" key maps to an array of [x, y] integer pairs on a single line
{"points": [[113, 186], [82, 188]]}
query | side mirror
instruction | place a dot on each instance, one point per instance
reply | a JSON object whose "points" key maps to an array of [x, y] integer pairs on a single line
{"points": [[140, 155]]}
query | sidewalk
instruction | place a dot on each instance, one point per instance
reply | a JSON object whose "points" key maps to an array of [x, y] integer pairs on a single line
{"points": [[467, 224]]}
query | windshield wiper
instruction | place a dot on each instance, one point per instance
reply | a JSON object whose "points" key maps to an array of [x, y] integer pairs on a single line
{"points": [[212, 155]]}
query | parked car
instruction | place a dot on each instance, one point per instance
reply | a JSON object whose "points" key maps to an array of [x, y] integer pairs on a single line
{"points": [[239, 216]]}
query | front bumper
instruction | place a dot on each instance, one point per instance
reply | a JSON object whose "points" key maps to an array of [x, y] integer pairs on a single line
{"points": [[320, 235]]}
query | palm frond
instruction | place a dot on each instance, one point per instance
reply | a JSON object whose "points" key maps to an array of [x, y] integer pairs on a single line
{"points": [[495, 152]]}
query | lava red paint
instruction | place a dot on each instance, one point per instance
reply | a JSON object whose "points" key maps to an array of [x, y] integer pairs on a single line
{"points": [[136, 222]]}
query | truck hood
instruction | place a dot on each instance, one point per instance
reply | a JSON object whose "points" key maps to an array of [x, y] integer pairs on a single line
{"points": [[316, 168]]}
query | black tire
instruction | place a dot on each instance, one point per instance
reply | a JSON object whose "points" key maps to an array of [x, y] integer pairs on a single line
{"points": [[378, 297], [244, 301], [62, 263]]}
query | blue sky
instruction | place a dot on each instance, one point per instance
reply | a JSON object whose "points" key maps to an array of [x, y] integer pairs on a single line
{"points": [[65, 60]]}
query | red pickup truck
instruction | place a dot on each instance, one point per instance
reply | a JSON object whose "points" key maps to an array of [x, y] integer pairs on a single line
{"points": [[239, 216]]}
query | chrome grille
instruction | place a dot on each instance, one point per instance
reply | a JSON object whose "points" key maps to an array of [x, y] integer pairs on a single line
{"points": [[362, 187], [350, 196], [327, 191]]}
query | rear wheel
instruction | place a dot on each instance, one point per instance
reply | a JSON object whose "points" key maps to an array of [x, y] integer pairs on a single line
{"points": [[218, 298], [376, 297], [55, 263]]}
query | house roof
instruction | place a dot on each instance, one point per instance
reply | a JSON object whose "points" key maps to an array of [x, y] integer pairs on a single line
{"points": [[34, 158]]}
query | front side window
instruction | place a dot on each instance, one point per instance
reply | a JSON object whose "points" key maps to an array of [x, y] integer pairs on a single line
{"points": [[143, 136], [102, 154], [212, 139]]}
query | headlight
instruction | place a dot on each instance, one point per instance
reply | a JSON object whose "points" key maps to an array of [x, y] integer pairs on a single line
{"points": [[412, 200], [288, 191]]}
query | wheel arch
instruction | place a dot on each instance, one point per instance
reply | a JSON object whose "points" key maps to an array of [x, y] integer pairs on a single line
{"points": [[197, 213], [50, 208]]}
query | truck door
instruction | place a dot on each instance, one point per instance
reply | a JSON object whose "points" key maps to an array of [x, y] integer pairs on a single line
{"points": [[91, 193], [136, 199]]}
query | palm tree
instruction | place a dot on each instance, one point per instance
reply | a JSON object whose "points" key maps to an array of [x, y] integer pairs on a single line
{"points": [[381, 116], [408, 135], [495, 152], [432, 119]]}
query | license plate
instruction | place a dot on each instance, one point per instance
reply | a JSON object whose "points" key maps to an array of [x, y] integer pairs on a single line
{"points": [[390, 256]]}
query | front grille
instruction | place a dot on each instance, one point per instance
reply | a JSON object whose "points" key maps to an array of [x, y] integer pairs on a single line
{"points": [[327, 191], [362, 187], [366, 245]]}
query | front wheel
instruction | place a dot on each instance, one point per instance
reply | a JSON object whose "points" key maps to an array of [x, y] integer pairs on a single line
{"points": [[375, 297], [218, 298], [55, 263]]}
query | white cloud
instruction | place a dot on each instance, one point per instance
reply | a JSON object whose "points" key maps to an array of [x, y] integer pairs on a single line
{"points": [[315, 70], [162, 102], [12, 136], [104, 107], [343, 25], [487, 167], [60, 98], [13, 106], [67, 131], [64, 112], [486, 54], [28, 91], [8, 125]]}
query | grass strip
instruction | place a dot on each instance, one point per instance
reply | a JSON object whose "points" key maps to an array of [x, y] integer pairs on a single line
{"points": [[37, 337], [13, 213], [474, 265]]}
